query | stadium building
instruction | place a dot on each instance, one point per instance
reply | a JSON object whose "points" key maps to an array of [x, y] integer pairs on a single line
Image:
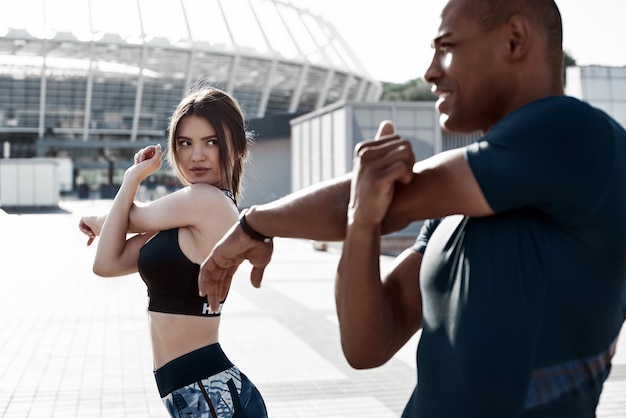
{"points": [[95, 80], [88, 82]]}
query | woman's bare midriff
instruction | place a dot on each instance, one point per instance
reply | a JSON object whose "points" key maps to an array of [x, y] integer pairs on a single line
{"points": [[176, 335]]}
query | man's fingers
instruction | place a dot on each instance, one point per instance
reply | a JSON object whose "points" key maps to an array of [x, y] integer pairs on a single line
{"points": [[218, 269], [398, 171], [211, 275], [385, 129], [383, 152], [214, 283], [218, 292], [385, 160], [386, 133], [256, 276]]}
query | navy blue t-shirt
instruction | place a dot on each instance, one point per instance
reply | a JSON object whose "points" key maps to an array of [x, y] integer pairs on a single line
{"points": [[522, 308]]}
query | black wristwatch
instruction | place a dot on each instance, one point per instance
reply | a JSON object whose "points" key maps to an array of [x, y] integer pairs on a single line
{"points": [[249, 231]]}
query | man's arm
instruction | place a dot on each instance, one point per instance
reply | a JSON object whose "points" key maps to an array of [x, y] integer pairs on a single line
{"points": [[440, 186], [376, 318], [316, 212]]}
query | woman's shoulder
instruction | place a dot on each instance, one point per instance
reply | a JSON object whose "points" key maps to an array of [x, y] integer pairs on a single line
{"points": [[204, 189], [209, 210], [208, 195]]}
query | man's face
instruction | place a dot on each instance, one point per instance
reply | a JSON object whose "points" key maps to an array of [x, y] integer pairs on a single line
{"points": [[469, 71]]}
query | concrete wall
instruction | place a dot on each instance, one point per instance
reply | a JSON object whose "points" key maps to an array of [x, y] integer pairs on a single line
{"points": [[267, 174], [323, 141]]}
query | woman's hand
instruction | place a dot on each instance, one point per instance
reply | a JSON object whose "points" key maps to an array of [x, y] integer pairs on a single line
{"points": [[91, 226], [146, 162], [88, 228]]}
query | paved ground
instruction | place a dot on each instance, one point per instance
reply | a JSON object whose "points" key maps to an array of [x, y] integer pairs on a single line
{"points": [[75, 345]]}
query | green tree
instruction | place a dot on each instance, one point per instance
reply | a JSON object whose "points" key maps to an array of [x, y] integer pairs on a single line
{"points": [[568, 61], [412, 90]]}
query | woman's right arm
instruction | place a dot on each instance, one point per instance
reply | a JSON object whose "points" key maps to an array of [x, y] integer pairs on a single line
{"points": [[116, 255]]}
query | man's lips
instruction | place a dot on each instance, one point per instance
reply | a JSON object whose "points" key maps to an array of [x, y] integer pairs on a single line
{"points": [[443, 95], [441, 92]]}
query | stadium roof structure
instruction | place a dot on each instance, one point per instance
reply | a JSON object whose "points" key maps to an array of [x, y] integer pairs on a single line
{"points": [[275, 57]]}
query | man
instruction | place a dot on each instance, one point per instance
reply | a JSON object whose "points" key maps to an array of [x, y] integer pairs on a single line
{"points": [[516, 282]]}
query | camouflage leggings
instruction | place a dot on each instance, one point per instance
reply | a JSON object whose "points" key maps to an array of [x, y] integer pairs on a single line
{"points": [[224, 394]]}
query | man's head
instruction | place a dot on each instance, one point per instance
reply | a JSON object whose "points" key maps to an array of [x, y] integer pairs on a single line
{"points": [[493, 56], [544, 15]]}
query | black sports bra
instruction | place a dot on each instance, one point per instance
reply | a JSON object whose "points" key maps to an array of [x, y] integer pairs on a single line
{"points": [[172, 278]]}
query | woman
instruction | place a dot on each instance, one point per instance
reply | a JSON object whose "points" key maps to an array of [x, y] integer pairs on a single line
{"points": [[207, 147]]}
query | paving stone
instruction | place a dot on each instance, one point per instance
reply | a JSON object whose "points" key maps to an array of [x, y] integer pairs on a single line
{"points": [[76, 345]]}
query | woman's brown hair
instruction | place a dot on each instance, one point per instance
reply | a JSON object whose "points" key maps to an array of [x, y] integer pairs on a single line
{"points": [[223, 112]]}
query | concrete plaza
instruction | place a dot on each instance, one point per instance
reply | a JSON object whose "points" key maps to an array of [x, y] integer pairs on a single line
{"points": [[76, 345]]}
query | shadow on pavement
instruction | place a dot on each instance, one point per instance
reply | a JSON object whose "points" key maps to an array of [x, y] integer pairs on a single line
{"points": [[33, 210]]}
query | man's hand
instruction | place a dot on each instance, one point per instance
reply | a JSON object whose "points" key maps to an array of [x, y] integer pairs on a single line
{"points": [[378, 165], [216, 272]]}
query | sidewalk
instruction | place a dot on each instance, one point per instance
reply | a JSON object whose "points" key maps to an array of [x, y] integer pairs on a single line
{"points": [[76, 345]]}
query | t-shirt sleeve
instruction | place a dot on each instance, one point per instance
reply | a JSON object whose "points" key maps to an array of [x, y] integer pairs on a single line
{"points": [[536, 158], [428, 227]]}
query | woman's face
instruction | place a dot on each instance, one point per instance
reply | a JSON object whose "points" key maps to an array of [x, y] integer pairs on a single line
{"points": [[197, 148]]}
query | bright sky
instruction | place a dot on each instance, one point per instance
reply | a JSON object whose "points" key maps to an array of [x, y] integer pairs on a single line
{"points": [[392, 37]]}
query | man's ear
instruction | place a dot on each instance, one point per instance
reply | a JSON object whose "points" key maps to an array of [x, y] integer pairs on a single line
{"points": [[520, 33]]}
